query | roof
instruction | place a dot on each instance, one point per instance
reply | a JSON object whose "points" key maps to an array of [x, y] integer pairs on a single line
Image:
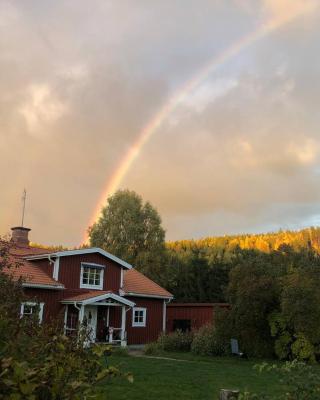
{"points": [[67, 253], [32, 276], [135, 283], [198, 305], [85, 296], [20, 251], [94, 296]]}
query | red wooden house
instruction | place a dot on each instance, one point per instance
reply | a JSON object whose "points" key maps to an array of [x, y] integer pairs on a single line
{"points": [[118, 303]]}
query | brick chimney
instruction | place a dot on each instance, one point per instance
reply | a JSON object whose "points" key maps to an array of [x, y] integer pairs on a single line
{"points": [[20, 236]]}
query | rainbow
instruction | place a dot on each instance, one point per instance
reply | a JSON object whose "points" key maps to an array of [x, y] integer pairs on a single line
{"points": [[154, 124]]}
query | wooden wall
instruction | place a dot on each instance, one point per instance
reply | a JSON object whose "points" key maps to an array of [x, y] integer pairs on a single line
{"points": [[150, 333], [198, 313]]}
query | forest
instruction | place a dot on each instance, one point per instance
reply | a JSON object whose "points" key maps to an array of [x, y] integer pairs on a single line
{"points": [[270, 280], [198, 270]]}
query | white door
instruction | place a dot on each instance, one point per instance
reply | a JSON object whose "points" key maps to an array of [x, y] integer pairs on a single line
{"points": [[90, 319]]}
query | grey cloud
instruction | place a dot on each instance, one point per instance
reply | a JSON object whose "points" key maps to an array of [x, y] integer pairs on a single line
{"points": [[109, 67]]}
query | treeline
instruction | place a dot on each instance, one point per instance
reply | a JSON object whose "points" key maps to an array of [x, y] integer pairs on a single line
{"points": [[272, 282], [202, 274], [308, 238], [199, 270]]}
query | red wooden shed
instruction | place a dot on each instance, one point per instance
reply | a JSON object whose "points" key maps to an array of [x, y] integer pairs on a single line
{"points": [[191, 316]]}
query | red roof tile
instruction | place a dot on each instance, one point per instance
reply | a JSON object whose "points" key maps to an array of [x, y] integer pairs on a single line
{"points": [[135, 282], [19, 251], [31, 273], [87, 295]]}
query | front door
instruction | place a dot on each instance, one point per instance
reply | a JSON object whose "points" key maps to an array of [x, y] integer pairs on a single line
{"points": [[90, 320]]}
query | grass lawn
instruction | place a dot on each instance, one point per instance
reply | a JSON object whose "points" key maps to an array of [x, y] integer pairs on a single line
{"points": [[198, 378]]}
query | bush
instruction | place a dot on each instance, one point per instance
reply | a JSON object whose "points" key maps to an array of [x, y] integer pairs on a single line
{"points": [[207, 343], [176, 341], [153, 348]]}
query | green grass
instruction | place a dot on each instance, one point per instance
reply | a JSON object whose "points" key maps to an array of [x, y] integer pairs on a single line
{"points": [[195, 378]]}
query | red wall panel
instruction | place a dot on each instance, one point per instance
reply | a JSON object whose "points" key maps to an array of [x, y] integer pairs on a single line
{"points": [[70, 269], [51, 298], [198, 314], [154, 321]]}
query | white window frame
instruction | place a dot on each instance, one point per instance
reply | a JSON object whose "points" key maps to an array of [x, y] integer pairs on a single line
{"points": [[32, 304], [92, 265], [139, 324]]}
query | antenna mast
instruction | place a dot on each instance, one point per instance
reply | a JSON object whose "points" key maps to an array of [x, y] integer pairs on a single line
{"points": [[24, 196]]}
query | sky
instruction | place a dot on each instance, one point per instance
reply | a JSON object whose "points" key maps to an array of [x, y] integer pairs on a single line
{"points": [[80, 81]]}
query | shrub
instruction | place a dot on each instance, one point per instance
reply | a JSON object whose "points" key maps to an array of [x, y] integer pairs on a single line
{"points": [[153, 348], [176, 341], [206, 342]]}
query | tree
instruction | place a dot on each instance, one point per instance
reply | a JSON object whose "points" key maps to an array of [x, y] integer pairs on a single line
{"points": [[131, 230], [296, 325], [253, 293]]}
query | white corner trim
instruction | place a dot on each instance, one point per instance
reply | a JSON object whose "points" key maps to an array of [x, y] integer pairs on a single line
{"points": [[82, 251], [164, 316], [42, 286], [121, 279], [139, 324], [33, 304], [56, 267]]}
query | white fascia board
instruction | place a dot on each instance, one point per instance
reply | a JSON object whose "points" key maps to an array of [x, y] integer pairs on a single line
{"points": [[105, 296], [42, 286], [82, 251], [152, 296]]}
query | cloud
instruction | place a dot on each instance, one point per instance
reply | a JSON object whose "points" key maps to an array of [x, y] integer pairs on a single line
{"points": [[281, 9], [41, 107], [79, 82]]}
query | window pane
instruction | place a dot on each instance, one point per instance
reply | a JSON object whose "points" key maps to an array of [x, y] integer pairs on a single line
{"points": [[91, 276], [27, 309]]}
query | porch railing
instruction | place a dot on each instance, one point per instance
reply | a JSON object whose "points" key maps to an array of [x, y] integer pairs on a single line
{"points": [[115, 336]]}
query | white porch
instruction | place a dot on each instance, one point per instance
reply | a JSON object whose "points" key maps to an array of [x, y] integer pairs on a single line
{"points": [[104, 316]]}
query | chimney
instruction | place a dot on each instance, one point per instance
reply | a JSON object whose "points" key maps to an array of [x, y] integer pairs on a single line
{"points": [[20, 236]]}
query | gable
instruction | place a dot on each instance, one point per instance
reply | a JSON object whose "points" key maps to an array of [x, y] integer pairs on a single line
{"points": [[79, 252]]}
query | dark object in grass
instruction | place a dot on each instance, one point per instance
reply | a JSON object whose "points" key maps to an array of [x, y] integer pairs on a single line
{"points": [[227, 394], [235, 349], [107, 353]]}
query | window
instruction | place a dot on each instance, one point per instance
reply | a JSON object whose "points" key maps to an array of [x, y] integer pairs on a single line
{"points": [[29, 309], [139, 316], [183, 325], [91, 276], [72, 323]]}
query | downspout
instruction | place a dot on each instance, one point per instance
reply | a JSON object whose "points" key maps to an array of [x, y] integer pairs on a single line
{"points": [[164, 314]]}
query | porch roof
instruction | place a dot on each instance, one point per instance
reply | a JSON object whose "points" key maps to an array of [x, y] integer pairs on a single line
{"points": [[95, 296]]}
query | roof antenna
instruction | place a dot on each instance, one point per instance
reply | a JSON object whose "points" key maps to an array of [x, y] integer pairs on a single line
{"points": [[24, 196]]}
